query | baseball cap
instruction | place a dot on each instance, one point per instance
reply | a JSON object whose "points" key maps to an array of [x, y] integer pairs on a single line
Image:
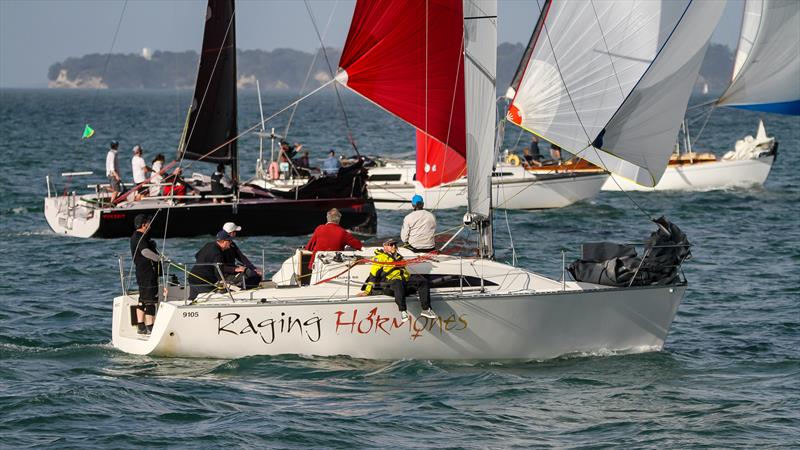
{"points": [[231, 227], [141, 219], [223, 236], [390, 241], [417, 199]]}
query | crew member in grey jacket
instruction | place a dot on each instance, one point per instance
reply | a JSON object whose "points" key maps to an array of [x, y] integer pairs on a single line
{"points": [[419, 228]]}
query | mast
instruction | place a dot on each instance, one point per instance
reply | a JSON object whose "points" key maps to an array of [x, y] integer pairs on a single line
{"points": [[211, 127]]}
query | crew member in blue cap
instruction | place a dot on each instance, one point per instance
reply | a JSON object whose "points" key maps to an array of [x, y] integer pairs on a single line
{"points": [[209, 264], [419, 228]]}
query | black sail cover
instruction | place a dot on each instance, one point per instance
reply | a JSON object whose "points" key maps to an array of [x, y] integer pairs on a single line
{"points": [[612, 264], [212, 119]]}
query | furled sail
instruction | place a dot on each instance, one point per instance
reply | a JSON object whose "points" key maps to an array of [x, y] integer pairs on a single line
{"points": [[211, 125], [431, 63], [766, 73], [610, 81]]}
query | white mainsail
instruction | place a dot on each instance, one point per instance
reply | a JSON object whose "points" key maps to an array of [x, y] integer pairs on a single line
{"points": [[480, 68], [766, 73], [610, 81]]}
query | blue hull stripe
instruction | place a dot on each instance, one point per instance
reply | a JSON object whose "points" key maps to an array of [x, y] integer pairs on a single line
{"points": [[790, 108]]}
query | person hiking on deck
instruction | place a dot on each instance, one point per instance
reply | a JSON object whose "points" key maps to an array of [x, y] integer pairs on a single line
{"points": [[331, 237], [419, 228], [146, 274], [389, 276]]}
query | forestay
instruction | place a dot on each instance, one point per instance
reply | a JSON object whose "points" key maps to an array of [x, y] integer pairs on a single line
{"points": [[610, 81], [766, 73]]}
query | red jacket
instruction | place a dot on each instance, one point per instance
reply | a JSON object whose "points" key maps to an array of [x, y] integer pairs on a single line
{"points": [[331, 237]]}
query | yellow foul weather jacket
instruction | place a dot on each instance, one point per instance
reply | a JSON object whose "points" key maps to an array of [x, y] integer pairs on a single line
{"points": [[384, 273]]}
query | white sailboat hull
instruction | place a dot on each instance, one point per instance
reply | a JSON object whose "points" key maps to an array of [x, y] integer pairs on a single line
{"points": [[518, 315], [513, 326], [79, 221], [519, 189], [703, 176]]}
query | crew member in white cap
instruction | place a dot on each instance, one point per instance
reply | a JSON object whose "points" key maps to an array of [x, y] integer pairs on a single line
{"points": [[252, 276]]}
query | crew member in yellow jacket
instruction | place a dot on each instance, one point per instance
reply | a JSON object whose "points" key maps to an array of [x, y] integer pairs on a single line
{"points": [[389, 277]]}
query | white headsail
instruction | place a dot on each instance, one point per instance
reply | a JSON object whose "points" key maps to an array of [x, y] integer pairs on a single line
{"points": [[610, 81], [480, 68], [766, 73]]}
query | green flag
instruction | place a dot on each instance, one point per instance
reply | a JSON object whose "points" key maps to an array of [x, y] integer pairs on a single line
{"points": [[87, 132]]}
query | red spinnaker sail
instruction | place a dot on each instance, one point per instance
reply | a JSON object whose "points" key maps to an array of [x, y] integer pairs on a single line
{"points": [[407, 57], [437, 163]]}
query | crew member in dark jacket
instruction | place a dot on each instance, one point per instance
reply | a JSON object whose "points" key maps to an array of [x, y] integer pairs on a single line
{"points": [[146, 274], [252, 274], [204, 274]]}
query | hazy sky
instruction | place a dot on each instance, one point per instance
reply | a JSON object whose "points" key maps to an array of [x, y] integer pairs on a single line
{"points": [[37, 33]]}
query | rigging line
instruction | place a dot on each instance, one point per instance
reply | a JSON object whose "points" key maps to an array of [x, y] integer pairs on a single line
{"points": [[108, 60], [199, 108], [461, 63], [608, 50], [208, 85], [261, 122], [708, 117], [627, 194], [310, 69], [561, 76], [333, 76]]}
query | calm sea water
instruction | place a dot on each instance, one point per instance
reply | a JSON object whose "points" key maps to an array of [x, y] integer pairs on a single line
{"points": [[729, 375]]}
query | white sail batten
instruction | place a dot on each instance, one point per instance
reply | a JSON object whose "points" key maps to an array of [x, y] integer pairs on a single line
{"points": [[766, 72], [480, 69], [616, 76]]}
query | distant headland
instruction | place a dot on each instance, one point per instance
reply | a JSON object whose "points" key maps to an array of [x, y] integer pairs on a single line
{"points": [[278, 70]]}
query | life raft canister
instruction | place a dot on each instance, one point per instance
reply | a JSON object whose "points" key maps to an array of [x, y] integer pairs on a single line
{"points": [[274, 171]]}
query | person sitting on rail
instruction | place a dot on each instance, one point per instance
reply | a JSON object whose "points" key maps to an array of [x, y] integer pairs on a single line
{"points": [[389, 276], [419, 228]]}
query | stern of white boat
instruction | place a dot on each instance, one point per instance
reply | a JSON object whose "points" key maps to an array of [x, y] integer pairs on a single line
{"points": [[67, 216]]}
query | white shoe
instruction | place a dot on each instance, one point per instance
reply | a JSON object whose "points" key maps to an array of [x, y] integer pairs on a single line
{"points": [[428, 313], [404, 316]]}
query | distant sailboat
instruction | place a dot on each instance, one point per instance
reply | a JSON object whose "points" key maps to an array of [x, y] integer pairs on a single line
{"points": [[766, 77], [211, 135], [487, 309]]}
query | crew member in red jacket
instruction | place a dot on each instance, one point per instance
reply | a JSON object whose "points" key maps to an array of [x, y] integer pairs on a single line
{"points": [[331, 237]]}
